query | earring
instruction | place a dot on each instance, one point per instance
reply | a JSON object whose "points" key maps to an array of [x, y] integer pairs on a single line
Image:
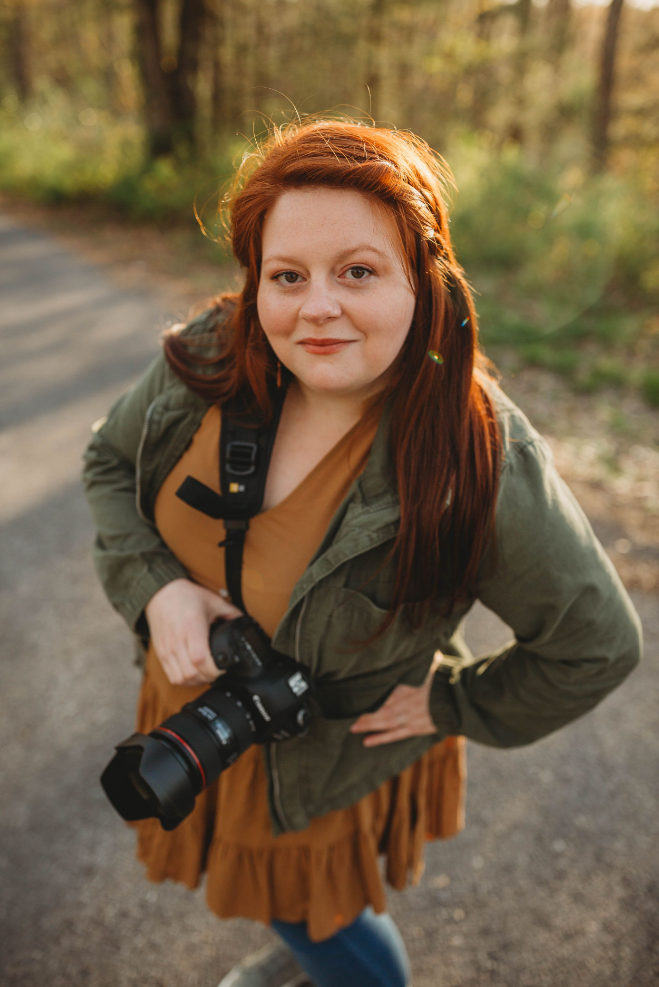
{"points": [[278, 374]]}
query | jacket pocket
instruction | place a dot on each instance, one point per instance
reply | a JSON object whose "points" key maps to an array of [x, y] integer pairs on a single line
{"points": [[336, 640]]}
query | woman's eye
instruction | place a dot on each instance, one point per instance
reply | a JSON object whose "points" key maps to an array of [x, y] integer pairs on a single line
{"points": [[357, 273], [287, 277]]}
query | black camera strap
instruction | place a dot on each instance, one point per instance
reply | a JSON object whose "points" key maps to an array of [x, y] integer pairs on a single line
{"points": [[245, 453]]}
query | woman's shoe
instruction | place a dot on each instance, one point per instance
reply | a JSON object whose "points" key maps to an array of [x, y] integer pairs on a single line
{"points": [[272, 966]]}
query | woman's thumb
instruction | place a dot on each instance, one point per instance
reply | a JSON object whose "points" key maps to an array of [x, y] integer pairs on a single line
{"points": [[220, 606]]}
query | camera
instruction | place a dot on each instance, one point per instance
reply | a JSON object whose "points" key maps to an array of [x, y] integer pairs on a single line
{"points": [[263, 696]]}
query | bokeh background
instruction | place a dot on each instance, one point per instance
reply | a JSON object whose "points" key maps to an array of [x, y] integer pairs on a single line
{"points": [[116, 116], [548, 114]]}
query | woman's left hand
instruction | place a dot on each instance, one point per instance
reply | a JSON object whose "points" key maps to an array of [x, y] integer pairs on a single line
{"points": [[406, 713]]}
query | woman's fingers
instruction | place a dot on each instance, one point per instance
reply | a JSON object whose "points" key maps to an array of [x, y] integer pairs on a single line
{"points": [[199, 653], [392, 712], [179, 617], [381, 720], [218, 605], [404, 714], [387, 737]]}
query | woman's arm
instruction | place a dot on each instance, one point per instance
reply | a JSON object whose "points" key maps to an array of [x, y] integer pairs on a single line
{"points": [[577, 633], [144, 581], [130, 557]]}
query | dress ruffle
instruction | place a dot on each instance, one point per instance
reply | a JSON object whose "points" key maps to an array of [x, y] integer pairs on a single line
{"points": [[325, 875]]}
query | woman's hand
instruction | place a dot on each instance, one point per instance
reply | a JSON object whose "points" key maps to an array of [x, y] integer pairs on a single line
{"points": [[179, 617], [406, 713]]}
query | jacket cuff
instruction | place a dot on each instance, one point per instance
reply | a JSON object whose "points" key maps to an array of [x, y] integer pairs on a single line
{"points": [[158, 574], [442, 707]]}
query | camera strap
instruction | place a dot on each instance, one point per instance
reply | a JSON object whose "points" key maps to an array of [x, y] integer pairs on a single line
{"points": [[245, 453]]}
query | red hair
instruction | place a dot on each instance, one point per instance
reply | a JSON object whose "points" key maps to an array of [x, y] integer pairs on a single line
{"points": [[444, 438]]}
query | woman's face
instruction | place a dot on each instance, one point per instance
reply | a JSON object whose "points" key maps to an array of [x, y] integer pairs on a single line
{"points": [[334, 297]]}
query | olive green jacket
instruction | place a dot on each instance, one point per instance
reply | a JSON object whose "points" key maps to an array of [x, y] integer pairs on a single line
{"points": [[576, 632]]}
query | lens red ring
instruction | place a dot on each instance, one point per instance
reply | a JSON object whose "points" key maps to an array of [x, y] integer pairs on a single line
{"points": [[188, 749]]}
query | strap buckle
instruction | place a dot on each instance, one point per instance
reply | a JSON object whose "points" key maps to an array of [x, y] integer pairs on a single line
{"points": [[241, 458]]}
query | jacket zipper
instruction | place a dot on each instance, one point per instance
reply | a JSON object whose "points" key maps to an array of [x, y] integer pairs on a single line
{"points": [[138, 461], [298, 628], [272, 761], [276, 791]]}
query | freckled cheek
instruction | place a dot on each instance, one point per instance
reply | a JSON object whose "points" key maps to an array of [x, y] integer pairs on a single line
{"points": [[276, 315], [386, 329]]}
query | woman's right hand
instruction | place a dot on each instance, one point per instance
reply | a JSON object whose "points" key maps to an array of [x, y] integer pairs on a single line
{"points": [[179, 617]]}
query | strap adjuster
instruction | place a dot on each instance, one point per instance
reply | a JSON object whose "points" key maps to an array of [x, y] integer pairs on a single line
{"points": [[241, 458]]}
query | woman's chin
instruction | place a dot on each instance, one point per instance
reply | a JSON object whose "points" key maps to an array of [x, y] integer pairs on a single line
{"points": [[337, 384]]}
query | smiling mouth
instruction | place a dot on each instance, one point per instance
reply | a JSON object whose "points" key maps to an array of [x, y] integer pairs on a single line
{"points": [[325, 345]]}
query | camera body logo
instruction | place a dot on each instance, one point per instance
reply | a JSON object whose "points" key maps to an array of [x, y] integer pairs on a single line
{"points": [[256, 699]]}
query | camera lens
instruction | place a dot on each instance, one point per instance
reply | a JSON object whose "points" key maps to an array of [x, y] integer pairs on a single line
{"points": [[162, 774], [262, 696]]}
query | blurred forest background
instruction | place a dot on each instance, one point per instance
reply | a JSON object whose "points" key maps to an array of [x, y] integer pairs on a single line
{"points": [[548, 114]]}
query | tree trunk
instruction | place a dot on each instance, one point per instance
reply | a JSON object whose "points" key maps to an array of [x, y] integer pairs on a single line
{"points": [[558, 17], [482, 72], [606, 87], [158, 109], [516, 131], [237, 60], [218, 100], [184, 78], [260, 74], [19, 53], [374, 34]]}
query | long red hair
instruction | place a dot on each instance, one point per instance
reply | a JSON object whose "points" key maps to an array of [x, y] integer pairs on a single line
{"points": [[444, 439]]}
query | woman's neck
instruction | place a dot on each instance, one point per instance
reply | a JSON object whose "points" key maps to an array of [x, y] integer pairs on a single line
{"points": [[311, 424], [339, 411]]}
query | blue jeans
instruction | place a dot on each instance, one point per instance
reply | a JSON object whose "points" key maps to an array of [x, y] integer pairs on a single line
{"points": [[368, 953]]}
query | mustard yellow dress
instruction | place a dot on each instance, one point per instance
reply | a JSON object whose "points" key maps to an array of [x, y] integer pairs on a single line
{"points": [[327, 874]]}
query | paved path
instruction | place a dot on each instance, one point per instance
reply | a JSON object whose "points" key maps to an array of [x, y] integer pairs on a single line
{"points": [[555, 881]]}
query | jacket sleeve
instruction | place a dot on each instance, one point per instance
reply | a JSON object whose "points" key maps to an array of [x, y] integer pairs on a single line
{"points": [[577, 634], [131, 559]]}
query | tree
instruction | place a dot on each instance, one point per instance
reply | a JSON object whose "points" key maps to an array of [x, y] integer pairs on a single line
{"points": [[218, 85], [606, 87], [558, 16], [375, 34], [169, 81], [184, 77], [516, 128], [19, 51]]}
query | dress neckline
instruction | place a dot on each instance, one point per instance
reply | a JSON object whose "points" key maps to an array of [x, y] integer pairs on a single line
{"points": [[320, 466]]}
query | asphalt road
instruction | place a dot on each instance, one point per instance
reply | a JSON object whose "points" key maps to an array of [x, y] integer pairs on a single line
{"points": [[555, 881]]}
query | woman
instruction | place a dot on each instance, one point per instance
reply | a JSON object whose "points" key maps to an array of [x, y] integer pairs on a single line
{"points": [[402, 486]]}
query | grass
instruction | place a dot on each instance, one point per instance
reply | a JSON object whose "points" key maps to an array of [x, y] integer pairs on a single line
{"points": [[650, 387], [565, 267]]}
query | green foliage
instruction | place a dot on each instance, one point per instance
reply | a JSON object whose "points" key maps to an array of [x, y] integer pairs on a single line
{"points": [[52, 155], [650, 387], [565, 267]]}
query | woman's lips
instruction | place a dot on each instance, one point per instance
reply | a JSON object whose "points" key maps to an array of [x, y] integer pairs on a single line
{"points": [[325, 346]]}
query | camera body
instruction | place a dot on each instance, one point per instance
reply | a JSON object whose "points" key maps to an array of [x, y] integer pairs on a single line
{"points": [[262, 696]]}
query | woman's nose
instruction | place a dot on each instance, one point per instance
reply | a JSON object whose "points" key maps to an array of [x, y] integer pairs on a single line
{"points": [[320, 303]]}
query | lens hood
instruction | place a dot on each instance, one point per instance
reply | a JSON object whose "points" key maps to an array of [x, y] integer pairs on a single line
{"points": [[168, 794]]}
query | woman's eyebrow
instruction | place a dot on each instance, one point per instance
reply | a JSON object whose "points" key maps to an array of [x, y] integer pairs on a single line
{"points": [[279, 259], [360, 247]]}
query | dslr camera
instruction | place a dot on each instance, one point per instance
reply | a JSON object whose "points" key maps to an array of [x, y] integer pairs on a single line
{"points": [[263, 696]]}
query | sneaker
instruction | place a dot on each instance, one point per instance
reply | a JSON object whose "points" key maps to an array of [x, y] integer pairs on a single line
{"points": [[272, 966]]}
